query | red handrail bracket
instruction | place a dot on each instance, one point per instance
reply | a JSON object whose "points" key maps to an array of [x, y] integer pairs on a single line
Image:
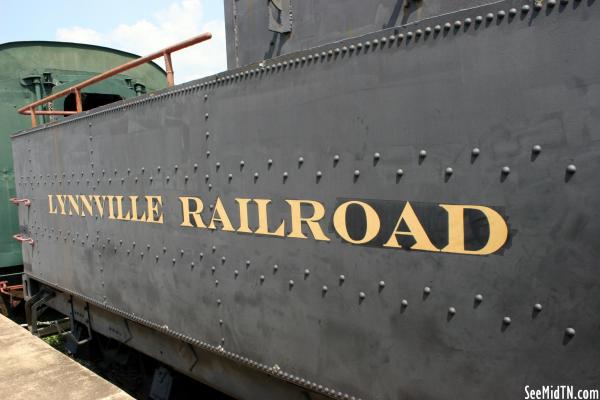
{"points": [[25, 202], [23, 239]]}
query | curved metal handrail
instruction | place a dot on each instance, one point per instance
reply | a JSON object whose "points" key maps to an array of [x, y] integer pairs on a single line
{"points": [[76, 89]]}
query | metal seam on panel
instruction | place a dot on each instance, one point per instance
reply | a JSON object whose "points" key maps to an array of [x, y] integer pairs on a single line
{"points": [[218, 350], [265, 67]]}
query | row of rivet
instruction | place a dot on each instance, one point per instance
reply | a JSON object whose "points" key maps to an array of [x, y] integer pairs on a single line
{"points": [[306, 273], [275, 370], [505, 170], [283, 62]]}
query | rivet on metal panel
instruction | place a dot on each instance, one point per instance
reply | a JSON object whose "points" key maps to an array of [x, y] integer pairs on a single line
{"points": [[525, 8], [489, 16], [478, 19], [275, 268], [570, 332], [501, 14], [512, 12], [571, 169], [426, 292], [506, 320]]}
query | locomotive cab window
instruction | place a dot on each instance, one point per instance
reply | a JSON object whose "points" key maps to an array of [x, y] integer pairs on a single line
{"points": [[90, 100]]}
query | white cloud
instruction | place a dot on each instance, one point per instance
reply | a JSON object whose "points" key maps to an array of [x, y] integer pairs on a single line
{"points": [[81, 35], [179, 21]]}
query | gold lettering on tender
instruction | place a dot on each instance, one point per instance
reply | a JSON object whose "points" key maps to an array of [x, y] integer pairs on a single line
{"points": [[263, 220], [50, 205], [73, 204], [155, 215], [111, 206], [456, 229], [120, 215], [415, 229], [99, 201], [86, 205], [134, 210], [188, 214], [244, 224], [312, 222], [220, 215], [61, 203], [372, 222]]}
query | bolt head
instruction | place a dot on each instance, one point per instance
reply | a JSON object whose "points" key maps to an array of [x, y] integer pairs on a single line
{"points": [[537, 307], [404, 303], [571, 169], [479, 298], [452, 310], [536, 149], [506, 320]]}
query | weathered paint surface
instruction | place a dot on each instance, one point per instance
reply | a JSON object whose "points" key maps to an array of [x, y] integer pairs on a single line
{"points": [[499, 111]]}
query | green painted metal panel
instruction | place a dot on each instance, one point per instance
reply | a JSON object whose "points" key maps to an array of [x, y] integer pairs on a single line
{"points": [[55, 66]]}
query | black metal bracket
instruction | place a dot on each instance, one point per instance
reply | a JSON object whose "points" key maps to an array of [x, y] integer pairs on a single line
{"points": [[280, 16]]}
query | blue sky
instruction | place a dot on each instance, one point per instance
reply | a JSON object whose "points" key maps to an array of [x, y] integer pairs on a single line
{"points": [[138, 26]]}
